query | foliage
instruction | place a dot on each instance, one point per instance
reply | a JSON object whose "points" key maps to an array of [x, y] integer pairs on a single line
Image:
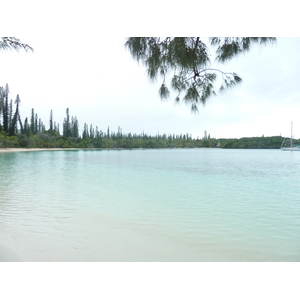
{"points": [[8, 141], [273, 142], [188, 58], [9, 118], [12, 43], [47, 139]]}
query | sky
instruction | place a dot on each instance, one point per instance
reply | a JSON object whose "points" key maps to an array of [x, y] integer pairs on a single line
{"points": [[82, 64]]}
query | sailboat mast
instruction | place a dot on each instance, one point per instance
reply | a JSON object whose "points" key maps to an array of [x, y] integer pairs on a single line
{"points": [[291, 134]]}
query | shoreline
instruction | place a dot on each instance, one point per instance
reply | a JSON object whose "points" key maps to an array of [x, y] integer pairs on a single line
{"points": [[10, 150]]}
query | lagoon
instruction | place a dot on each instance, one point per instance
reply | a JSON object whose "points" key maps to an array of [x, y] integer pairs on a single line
{"points": [[151, 205]]}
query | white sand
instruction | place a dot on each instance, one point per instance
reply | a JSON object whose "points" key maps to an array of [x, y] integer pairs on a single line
{"points": [[7, 150], [8, 255], [8, 249]]}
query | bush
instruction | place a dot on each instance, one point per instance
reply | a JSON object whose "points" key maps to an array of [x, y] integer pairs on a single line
{"points": [[25, 142]]}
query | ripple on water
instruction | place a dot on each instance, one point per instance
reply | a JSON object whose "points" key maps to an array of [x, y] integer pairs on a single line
{"points": [[154, 205]]}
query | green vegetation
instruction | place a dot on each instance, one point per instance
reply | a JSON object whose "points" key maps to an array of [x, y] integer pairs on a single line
{"points": [[190, 59], [33, 134], [52, 139], [12, 43], [272, 142]]}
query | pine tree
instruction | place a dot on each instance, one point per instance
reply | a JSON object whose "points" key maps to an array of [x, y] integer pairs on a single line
{"points": [[20, 123], [97, 133], [51, 121], [18, 101], [5, 109], [13, 124], [12, 43], [54, 126], [26, 128], [75, 128], [189, 59], [85, 133], [91, 132], [119, 134], [66, 125], [36, 124], [40, 126], [10, 114], [32, 122], [108, 135]]}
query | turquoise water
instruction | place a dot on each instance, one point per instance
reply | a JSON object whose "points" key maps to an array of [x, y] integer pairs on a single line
{"points": [[151, 205]]}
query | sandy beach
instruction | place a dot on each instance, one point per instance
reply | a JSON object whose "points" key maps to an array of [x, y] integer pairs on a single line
{"points": [[8, 255], [8, 248], [8, 150]]}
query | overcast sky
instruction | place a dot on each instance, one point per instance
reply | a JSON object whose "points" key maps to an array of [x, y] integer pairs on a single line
{"points": [[77, 64]]}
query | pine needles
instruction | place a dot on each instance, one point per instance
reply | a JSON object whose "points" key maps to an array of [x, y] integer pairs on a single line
{"points": [[189, 59]]}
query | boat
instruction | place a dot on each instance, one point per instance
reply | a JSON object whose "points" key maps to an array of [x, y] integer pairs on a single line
{"points": [[292, 147]]}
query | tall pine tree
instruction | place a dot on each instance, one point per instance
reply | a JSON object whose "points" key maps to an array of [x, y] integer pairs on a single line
{"points": [[16, 117], [32, 122], [5, 110], [66, 125], [51, 121]]}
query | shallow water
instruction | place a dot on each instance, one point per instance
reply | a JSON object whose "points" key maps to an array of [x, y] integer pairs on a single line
{"points": [[151, 205]]}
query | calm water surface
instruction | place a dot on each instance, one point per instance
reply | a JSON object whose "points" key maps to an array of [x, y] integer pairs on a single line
{"points": [[151, 205]]}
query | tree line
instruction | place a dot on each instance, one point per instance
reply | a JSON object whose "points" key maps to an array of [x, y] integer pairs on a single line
{"points": [[32, 133]]}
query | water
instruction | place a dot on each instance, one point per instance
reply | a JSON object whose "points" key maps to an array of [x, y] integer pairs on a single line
{"points": [[151, 205]]}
